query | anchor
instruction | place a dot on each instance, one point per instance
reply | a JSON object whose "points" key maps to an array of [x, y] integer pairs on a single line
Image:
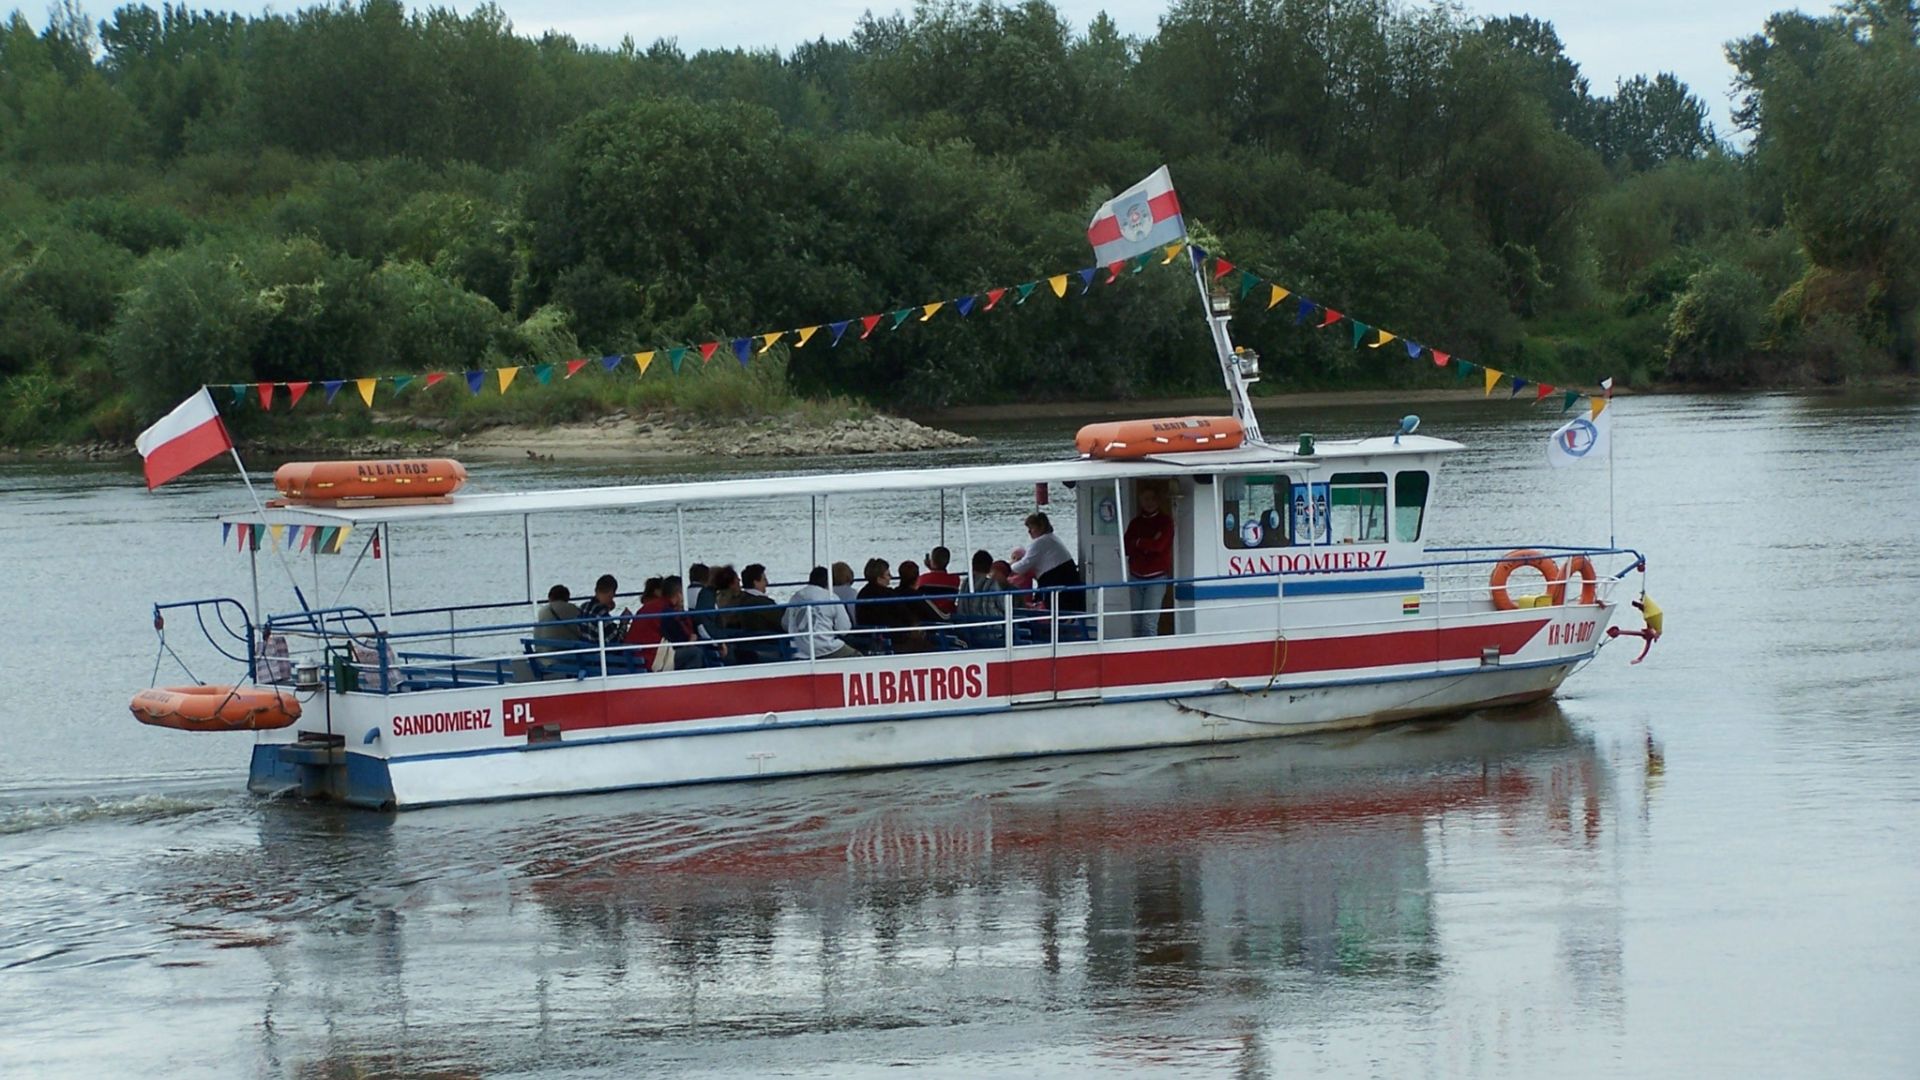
{"points": [[1649, 612]]}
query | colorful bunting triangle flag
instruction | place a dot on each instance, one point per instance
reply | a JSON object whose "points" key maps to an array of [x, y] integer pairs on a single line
{"points": [[1024, 291], [707, 350], [1461, 368], [927, 311], [900, 316], [475, 380], [1140, 261], [1542, 393], [1086, 279], [1278, 294], [1360, 330], [767, 341], [1247, 282], [1492, 376], [806, 334], [507, 375], [1330, 318], [839, 329], [401, 382], [366, 390], [543, 372], [277, 532], [1439, 358], [1221, 268], [1382, 340], [300, 538], [675, 357], [435, 378], [643, 360], [1113, 270], [993, 297], [226, 530], [266, 396], [574, 366], [742, 348], [1304, 312], [867, 323], [964, 306], [239, 392], [1598, 405], [1058, 283], [1172, 251], [296, 391], [611, 361], [1519, 384], [1567, 399], [1413, 349]]}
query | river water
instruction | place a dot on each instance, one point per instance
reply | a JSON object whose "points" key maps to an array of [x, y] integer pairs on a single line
{"points": [[1707, 864]]}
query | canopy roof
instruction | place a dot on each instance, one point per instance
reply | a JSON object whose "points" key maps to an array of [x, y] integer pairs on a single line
{"points": [[790, 486]]}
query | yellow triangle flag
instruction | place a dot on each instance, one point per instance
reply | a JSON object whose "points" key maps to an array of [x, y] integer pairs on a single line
{"points": [[340, 539], [644, 360], [806, 334], [1173, 251], [1599, 403], [767, 340], [506, 377], [277, 531], [1384, 338], [1493, 378], [1279, 294], [1058, 283], [928, 310], [366, 390]]}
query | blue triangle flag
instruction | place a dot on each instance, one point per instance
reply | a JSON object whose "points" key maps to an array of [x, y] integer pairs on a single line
{"points": [[964, 306], [610, 362], [1413, 351], [742, 348], [839, 329], [1306, 308], [1198, 254], [1086, 279], [332, 387], [226, 530], [1518, 382], [475, 380]]}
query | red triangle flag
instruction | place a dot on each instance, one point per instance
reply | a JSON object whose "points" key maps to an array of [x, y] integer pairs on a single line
{"points": [[706, 351], [867, 323], [1331, 317], [1439, 358], [574, 366], [1543, 392], [266, 395], [993, 297], [1221, 268], [294, 390], [1113, 271], [435, 376]]}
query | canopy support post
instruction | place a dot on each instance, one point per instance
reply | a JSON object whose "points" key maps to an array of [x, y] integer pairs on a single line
{"points": [[680, 535], [386, 560], [526, 548], [966, 538]]}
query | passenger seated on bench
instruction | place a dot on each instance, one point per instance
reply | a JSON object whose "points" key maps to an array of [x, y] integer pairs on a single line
{"points": [[981, 581], [913, 583], [600, 606], [844, 588], [696, 584], [818, 629], [552, 632], [936, 580], [747, 611], [676, 630], [720, 581], [1051, 564]]}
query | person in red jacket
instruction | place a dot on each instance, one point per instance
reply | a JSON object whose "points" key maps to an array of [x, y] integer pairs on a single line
{"points": [[662, 616], [1149, 542], [936, 580]]}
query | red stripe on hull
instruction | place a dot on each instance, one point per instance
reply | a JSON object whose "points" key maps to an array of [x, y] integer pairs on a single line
{"points": [[1038, 675]]}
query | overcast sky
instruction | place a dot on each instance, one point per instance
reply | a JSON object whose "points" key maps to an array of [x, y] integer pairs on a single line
{"points": [[1609, 39]]}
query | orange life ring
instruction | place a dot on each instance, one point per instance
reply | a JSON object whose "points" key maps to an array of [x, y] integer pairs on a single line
{"points": [[406, 478], [216, 708], [1122, 439], [1514, 560], [1589, 587]]}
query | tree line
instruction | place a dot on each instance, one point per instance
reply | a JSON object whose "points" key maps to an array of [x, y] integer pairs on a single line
{"points": [[195, 196]]}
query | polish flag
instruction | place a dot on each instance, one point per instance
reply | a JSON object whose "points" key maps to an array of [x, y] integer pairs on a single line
{"points": [[1142, 218], [183, 440]]}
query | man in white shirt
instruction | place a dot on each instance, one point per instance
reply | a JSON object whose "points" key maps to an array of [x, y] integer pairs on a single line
{"points": [[817, 629], [1051, 564]]}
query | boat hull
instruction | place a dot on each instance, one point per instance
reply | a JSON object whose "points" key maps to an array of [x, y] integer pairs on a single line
{"points": [[594, 735]]}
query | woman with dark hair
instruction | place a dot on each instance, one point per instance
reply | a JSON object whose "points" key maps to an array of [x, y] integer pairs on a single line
{"points": [[1051, 564], [747, 611]]}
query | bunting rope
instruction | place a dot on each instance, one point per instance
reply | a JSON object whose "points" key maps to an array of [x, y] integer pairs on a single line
{"points": [[1239, 281]]}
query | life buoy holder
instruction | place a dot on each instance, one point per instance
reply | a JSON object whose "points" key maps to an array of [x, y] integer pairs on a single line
{"points": [[1589, 586], [216, 708], [1514, 560]]}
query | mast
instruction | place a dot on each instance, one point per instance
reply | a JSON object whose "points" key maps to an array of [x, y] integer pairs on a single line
{"points": [[1238, 368]]}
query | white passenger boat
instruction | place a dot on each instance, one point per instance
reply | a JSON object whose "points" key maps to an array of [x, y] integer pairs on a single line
{"points": [[1304, 595]]}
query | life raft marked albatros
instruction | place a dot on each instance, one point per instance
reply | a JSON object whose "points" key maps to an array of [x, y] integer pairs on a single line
{"points": [[1123, 439], [399, 478], [216, 708]]}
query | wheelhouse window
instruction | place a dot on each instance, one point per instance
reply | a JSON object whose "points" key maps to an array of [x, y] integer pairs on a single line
{"points": [[1359, 508], [1255, 511], [1409, 504]]}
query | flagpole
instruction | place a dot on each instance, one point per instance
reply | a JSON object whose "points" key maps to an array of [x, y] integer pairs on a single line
{"points": [[1612, 536], [261, 508]]}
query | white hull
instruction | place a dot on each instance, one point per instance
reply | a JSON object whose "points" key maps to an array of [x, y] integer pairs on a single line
{"points": [[449, 746]]}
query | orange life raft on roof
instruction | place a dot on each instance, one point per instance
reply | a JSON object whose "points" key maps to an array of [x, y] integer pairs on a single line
{"points": [[1169, 435], [216, 708], [332, 481]]}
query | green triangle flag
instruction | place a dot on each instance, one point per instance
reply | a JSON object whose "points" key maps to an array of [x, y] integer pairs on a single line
{"points": [[1568, 399], [901, 316], [543, 372], [1460, 368], [1140, 261], [1247, 282], [1025, 291], [400, 382], [1360, 330], [239, 392], [674, 356]]}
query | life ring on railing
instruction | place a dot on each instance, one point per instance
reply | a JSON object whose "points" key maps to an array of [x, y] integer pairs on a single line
{"points": [[1589, 587], [216, 708], [1515, 560]]}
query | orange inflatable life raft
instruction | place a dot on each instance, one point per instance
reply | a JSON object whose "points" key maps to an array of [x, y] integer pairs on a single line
{"points": [[216, 708], [400, 478], [1124, 439]]}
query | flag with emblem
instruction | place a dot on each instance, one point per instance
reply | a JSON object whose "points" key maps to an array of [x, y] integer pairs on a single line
{"points": [[1145, 217]]}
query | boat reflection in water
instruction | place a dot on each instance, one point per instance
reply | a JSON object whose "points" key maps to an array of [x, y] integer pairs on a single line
{"points": [[1137, 908]]}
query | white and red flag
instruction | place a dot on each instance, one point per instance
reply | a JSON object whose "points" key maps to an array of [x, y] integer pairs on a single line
{"points": [[1142, 218], [184, 439]]}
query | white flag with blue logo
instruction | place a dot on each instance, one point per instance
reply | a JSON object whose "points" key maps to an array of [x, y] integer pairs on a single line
{"points": [[1580, 439]]}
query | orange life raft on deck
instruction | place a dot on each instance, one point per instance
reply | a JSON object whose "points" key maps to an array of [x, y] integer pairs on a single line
{"points": [[332, 481], [216, 708], [1139, 438]]}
